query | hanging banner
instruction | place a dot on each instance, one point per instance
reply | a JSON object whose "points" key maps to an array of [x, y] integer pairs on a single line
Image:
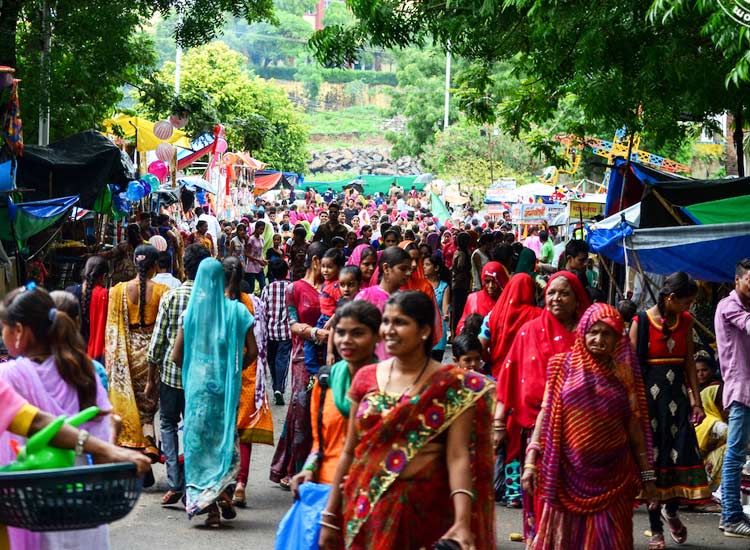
{"points": [[535, 213]]}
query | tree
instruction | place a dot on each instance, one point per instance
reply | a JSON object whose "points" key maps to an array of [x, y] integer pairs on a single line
{"points": [[623, 70], [337, 13], [312, 79], [216, 87]]}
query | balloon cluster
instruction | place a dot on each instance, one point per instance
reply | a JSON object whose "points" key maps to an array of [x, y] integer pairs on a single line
{"points": [[142, 187], [200, 196]]}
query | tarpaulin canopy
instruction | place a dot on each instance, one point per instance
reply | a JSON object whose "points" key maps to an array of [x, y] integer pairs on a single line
{"points": [[732, 210], [129, 126], [197, 181], [82, 164], [371, 183], [199, 147], [633, 177], [266, 180], [707, 252], [23, 220]]}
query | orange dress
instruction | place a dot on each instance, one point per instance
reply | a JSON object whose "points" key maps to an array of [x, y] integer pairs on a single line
{"points": [[334, 434], [254, 424]]}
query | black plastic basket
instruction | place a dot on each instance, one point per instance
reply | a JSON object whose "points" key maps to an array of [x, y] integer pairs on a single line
{"points": [[68, 498]]}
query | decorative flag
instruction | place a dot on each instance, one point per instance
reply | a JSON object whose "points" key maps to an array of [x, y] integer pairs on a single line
{"points": [[439, 210]]}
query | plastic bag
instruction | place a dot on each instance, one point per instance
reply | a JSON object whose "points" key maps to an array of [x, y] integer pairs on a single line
{"points": [[299, 529]]}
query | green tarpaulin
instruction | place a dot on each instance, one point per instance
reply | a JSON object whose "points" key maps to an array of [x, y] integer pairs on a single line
{"points": [[732, 210], [438, 208], [30, 218], [371, 184]]}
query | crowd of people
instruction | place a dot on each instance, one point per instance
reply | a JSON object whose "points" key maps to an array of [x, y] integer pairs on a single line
{"points": [[553, 401]]}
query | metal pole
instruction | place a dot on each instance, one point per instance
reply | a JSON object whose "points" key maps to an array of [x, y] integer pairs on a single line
{"points": [[446, 119], [44, 110]]}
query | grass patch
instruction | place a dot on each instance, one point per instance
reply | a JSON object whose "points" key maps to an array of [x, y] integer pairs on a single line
{"points": [[365, 120]]}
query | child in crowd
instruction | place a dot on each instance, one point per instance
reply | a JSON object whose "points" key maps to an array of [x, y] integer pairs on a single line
{"points": [[467, 351], [330, 265], [350, 281], [279, 343]]}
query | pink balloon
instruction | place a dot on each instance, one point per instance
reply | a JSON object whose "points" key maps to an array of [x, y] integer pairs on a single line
{"points": [[158, 242], [178, 122], [221, 146], [163, 129], [165, 152], [159, 169]]}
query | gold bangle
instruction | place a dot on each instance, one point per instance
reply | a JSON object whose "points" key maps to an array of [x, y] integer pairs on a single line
{"points": [[531, 467], [470, 494]]}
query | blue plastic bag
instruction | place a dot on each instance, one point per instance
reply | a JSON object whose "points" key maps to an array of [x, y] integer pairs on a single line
{"points": [[299, 529]]}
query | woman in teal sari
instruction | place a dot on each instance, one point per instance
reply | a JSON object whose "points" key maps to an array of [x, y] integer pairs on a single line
{"points": [[213, 345]]}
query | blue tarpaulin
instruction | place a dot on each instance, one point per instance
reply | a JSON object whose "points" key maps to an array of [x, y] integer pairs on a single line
{"points": [[29, 218], [707, 252]]}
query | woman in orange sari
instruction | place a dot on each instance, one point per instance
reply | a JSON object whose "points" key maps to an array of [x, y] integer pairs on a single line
{"points": [[418, 459], [254, 420]]}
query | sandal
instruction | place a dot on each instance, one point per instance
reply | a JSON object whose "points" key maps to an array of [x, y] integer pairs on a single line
{"points": [[677, 529], [213, 519], [226, 506], [239, 498], [152, 450], [171, 497], [286, 484], [657, 542]]}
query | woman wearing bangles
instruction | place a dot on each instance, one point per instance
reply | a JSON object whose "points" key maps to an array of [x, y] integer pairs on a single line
{"points": [[417, 447], [593, 436], [304, 310], [663, 336]]}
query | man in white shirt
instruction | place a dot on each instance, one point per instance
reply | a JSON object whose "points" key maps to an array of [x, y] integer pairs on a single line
{"points": [[163, 275], [214, 229]]}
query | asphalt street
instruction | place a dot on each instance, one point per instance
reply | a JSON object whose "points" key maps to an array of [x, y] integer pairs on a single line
{"points": [[153, 527]]}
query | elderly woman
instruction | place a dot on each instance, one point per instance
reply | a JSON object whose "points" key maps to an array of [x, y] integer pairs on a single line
{"points": [[594, 438], [522, 376], [494, 279]]}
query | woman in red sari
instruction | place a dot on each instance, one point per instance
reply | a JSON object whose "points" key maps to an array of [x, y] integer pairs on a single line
{"points": [[594, 437], [494, 279], [418, 460], [304, 310], [523, 373]]}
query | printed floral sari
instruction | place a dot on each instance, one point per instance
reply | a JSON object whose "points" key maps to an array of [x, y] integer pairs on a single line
{"points": [[384, 511]]}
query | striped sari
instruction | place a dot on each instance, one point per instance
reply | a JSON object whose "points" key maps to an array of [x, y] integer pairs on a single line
{"points": [[589, 476]]}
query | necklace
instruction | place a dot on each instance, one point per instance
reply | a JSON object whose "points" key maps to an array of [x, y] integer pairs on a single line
{"points": [[410, 386]]}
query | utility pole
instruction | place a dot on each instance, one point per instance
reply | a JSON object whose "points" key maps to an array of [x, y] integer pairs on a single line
{"points": [[446, 120], [44, 110]]}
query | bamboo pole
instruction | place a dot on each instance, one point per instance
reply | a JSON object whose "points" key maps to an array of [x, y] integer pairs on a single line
{"points": [[612, 279]]}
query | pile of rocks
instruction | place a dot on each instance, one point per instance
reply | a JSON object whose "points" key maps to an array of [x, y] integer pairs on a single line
{"points": [[362, 161]]}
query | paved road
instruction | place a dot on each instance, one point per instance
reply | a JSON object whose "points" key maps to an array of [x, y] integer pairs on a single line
{"points": [[151, 527]]}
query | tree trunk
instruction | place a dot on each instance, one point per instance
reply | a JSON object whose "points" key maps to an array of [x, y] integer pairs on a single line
{"points": [[739, 141], [9, 12]]}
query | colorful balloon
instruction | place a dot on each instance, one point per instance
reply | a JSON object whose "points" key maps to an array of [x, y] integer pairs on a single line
{"points": [[152, 181], [158, 242], [163, 129], [132, 194], [165, 152], [178, 121], [159, 169], [221, 146]]}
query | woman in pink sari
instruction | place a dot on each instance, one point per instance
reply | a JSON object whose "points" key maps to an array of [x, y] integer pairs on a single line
{"points": [[366, 259], [53, 373]]}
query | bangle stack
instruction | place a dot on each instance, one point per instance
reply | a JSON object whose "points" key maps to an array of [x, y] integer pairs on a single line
{"points": [[328, 514], [499, 426], [648, 475], [329, 525], [533, 446], [529, 466]]}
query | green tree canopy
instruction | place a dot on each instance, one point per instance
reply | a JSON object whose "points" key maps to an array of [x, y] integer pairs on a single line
{"points": [[216, 87]]}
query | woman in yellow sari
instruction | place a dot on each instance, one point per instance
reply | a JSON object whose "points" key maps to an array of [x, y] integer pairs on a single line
{"points": [[131, 315], [254, 420], [712, 434]]}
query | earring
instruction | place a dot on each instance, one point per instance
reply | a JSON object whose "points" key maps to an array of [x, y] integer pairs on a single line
{"points": [[424, 337]]}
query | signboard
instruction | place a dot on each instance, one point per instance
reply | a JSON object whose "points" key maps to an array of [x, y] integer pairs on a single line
{"points": [[499, 195], [505, 184], [535, 213], [585, 210]]}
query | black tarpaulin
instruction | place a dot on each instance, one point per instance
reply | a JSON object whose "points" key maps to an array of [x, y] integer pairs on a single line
{"points": [[82, 164]]}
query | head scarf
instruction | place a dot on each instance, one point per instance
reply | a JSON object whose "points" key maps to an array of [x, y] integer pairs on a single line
{"points": [[497, 271], [582, 297], [526, 262], [515, 306], [356, 259], [606, 394], [433, 240]]}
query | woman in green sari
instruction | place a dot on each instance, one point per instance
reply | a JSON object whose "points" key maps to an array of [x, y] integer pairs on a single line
{"points": [[212, 355]]}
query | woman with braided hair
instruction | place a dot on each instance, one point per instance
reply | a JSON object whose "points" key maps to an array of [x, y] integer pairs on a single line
{"points": [[133, 306], [93, 298]]}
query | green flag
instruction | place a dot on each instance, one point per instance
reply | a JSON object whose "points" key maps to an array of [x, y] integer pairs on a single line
{"points": [[439, 210]]}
